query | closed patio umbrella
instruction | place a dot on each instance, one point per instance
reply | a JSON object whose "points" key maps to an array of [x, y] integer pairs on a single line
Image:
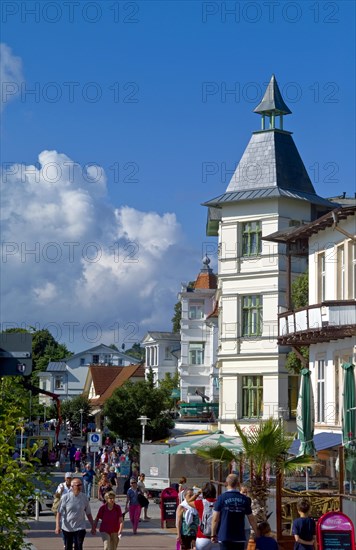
{"points": [[349, 405], [305, 418], [349, 422]]}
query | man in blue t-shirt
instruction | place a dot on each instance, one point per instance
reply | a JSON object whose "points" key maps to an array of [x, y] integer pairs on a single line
{"points": [[88, 475], [230, 509]]}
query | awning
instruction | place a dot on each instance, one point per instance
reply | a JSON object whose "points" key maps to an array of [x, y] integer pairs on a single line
{"points": [[323, 440]]}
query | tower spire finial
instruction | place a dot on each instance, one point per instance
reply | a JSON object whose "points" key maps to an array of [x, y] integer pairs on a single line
{"points": [[272, 104]]}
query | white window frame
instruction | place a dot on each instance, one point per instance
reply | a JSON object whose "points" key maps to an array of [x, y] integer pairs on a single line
{"points": [[320, 390], [340, 273], [196, 310], [196, 353], [321, 259]]}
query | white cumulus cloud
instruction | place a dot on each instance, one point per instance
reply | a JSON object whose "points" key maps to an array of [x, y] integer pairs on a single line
{"points": [[10, 75], [70, 259]]}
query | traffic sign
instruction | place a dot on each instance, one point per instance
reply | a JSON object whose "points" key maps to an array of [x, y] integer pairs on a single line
{"points": [[94, 449], [94, 439]]}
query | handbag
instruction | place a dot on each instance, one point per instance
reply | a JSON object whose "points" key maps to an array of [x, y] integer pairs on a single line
{"points": [[56, 502], [142, 500]]}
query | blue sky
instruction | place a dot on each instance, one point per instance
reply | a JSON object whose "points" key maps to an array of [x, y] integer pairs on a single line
{"points": [[139, 90]]}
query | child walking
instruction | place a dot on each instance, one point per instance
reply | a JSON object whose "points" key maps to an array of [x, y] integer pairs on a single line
{"points": [[265, 540], [304, 527], [111, 522]]}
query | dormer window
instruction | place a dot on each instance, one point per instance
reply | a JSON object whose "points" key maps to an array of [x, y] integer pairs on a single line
{"points": [[196, 310], [58, 383]]}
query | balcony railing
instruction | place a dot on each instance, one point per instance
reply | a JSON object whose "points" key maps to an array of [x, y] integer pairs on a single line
{"points": [[207, 412], [323, 322]]}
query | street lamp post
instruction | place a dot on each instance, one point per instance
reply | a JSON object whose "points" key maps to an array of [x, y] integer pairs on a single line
{"points": [[21, 440], [143, 420], [81, 421]]}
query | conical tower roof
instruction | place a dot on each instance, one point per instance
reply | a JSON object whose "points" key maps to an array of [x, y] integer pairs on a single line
{"points": [[271, 165], [272, 101]]}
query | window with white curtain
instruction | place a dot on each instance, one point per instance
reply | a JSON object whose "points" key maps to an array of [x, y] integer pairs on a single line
{"points": [[320, 386]]}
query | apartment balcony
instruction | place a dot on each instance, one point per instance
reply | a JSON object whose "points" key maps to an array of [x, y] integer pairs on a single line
{"points": [[331, 320]]}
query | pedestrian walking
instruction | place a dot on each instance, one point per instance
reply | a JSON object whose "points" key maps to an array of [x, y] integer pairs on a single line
{"points": [[77, 458], [71, 516], [112, 476], [228, 523], [65, 487], [182, 486], [62, 458], [111, 525], [187, 522], [104, 486], [132, 504], [303, 527], [88, 475], [203, 501], [72, 451], [143, 501]]}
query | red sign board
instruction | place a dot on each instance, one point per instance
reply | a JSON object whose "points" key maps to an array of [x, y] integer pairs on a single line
{"points": [[335, 531], [169, 505]]}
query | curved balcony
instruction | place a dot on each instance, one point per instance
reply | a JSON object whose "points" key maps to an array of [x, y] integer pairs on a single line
{"points": [[323, 322]]}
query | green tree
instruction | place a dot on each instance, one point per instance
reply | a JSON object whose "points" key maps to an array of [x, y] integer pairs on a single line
{"points": [[70, 410], [167, 385], [137, 352], [133, 400], [300, 291], [17, 479], [177, 317], [178, 311], [265, 444], [300, 299], [45, 348]]}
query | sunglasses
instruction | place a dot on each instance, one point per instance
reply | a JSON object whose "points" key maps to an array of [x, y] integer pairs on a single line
{"points": [[76, 485]]}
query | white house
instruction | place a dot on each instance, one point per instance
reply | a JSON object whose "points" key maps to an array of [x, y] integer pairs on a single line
{"points": [[162, 351], [199, 338], [269, 191], [67, 377], [328, 324]]}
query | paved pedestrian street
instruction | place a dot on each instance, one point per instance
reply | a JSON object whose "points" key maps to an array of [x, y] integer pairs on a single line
{"points": [[150, 535]]}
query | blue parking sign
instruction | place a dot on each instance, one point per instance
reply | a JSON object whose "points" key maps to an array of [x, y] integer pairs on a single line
{"points": [[94, 439]]}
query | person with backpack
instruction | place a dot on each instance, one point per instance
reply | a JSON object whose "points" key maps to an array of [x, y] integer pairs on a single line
{"points": [[203, 502], [187, 522]]}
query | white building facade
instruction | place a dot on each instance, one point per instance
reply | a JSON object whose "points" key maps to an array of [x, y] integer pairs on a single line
{"points": [[199, 339], [67, 378], [269, 191], [162, 350], [328, 325]]}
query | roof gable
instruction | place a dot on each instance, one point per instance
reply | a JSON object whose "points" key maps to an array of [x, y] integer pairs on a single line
{"points": [[131, 371], [103, 376]]}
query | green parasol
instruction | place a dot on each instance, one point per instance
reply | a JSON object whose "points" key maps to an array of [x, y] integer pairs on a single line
{"points": [[305, 415], [349, 405]]}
